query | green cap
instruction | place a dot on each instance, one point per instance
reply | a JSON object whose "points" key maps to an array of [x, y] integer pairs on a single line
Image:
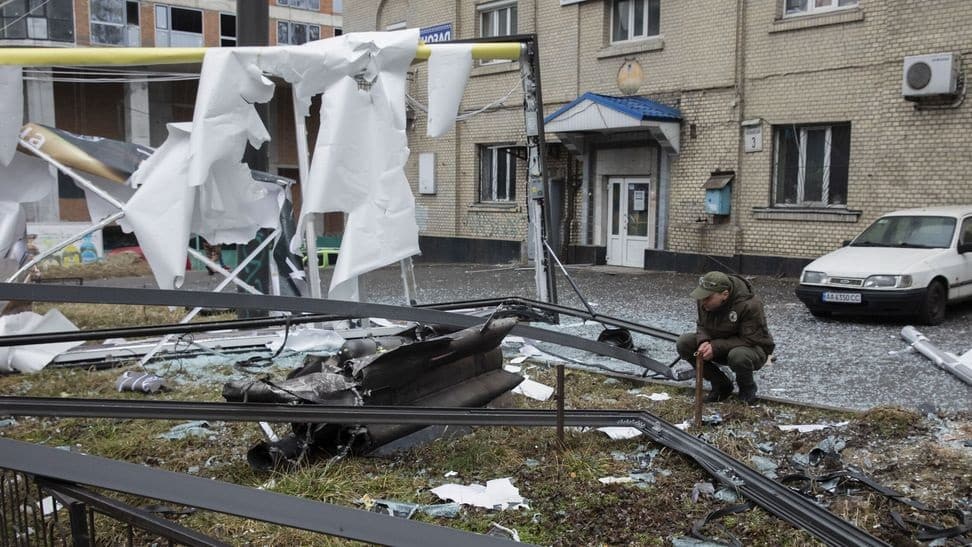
{"points": [[711, 283]]}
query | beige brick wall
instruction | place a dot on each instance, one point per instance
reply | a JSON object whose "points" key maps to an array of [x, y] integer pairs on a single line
{"points": [[840, 67]]}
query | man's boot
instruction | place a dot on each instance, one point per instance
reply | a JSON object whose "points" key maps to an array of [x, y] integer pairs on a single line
{"points": [[747, 386], [721, 385]]}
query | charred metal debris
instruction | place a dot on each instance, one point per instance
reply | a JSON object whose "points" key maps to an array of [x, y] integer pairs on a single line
{"points": [[375, 390]]}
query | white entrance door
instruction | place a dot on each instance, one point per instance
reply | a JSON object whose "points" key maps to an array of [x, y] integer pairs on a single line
{"points": [[630, 224]]}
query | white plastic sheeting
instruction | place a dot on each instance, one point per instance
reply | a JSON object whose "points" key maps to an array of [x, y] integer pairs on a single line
{"points": [[497, 494], [449, 68], [35, 357], [227, 208], [25, 178], [11, 110]]}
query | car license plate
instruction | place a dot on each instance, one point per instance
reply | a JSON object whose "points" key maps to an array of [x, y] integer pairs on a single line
{"points": [[842, 297]]}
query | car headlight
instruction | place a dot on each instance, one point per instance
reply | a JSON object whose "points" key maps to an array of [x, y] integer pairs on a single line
{"points": [[814, 277], [888, 281]]}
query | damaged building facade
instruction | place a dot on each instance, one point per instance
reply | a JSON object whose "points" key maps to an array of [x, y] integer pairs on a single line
{"points": [[135, 106], [686, 136]]}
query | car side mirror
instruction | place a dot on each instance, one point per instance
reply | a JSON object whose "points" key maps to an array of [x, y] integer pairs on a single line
{"points": [[964, 248], [845, 243]]}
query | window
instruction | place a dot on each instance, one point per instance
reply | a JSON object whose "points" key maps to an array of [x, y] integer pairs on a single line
{"points": [[634, 19], [337, 6], [497, 19], [178, 27], [295, 34], [497, 173], [808, 7], [314, 5], [908, 231], [227, 30], [115, 22], [338, 31], [37, 20], [811, 164]]}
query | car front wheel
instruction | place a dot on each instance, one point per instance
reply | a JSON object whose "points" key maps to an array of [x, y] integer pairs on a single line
{"points": [[932, 311]]}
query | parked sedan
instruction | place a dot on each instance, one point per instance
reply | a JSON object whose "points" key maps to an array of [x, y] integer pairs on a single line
{"points": [[911, 262]]}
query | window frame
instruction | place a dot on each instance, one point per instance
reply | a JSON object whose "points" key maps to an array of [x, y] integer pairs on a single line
{"points": [[225, 37], [168, 30], [802, 135], [287, 4], [124, 25], [290, 31], [492, 9], [646, 21], [33, 19], [488, 159], [813, 9]]}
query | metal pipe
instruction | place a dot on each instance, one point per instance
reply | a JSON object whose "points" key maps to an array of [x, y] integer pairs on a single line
{"points": [[942, 359]]}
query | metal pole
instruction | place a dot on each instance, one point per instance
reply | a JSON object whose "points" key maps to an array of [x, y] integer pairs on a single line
{"points": [[698, 389], [560, 406], [408, 280], [88, 185], [310, 231]]}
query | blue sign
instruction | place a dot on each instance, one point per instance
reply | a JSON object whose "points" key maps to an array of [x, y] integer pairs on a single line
{"points": [[437, 33]]}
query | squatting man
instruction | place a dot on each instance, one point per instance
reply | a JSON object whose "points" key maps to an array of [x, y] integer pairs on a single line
{"points": [[731, 331]]}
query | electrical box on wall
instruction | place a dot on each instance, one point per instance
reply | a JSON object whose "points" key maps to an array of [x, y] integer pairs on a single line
{"points": [[427, 173], [718, 193]]}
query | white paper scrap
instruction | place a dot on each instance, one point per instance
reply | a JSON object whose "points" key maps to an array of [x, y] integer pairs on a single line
{"points": [[34, 357], [534, 390], [512, 368], [804, 428], [497, 494], [620, 432], [615, 480], [655, 396]]}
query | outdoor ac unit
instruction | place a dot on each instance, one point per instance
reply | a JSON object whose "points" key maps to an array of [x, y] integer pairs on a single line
{"points": [[930, 75]]}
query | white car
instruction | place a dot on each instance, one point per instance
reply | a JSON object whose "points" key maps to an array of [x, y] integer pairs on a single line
{"points": [[911, 262]]}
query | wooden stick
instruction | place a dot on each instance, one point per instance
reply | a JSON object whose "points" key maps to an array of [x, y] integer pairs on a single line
{"points": [[698, 389]]}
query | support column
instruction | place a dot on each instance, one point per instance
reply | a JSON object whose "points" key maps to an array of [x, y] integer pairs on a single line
{"points": [[137, 126]]}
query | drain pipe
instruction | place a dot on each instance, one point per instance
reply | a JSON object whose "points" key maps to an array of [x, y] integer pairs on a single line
{"points": [[942, 359]]}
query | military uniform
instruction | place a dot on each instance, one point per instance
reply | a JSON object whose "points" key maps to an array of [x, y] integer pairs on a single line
{"points": [[737, 332]]}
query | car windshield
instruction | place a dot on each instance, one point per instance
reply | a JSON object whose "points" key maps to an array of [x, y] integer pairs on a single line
{"points": [[919, 232]]}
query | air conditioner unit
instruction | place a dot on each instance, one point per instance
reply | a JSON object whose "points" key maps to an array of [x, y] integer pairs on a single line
{"points": [[930, 75]]}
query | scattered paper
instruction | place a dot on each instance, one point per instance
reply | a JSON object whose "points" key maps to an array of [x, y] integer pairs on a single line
{"points": [[655, 396], [620, 432], [805, 428], [512, 368], [497, 494], [534, 390], [34, 357], [615, 480]]}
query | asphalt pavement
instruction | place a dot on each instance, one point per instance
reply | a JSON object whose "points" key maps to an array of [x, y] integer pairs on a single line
{"points": [[845, 362]]}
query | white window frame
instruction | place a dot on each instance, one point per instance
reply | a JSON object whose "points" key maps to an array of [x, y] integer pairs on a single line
{"points": [[632, 37], [814, 9], [167, 31], [492, 10], [290, 31], [401, 25], [802, 139], [490, 153]]}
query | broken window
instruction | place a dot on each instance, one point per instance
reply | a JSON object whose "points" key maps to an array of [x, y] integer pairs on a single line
{"points": [[634, 19], [807, 7], [227, 30], [497, 173], [314, 5], [115, 22], [811, 164], [37, 20], [295, 34], [178, 27]]}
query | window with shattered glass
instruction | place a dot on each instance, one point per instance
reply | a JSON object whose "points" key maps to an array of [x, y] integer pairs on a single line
{"points": [[497, 172], [811, 164], [115, 22], [51, 20], [295, 34], [178, 27]]}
